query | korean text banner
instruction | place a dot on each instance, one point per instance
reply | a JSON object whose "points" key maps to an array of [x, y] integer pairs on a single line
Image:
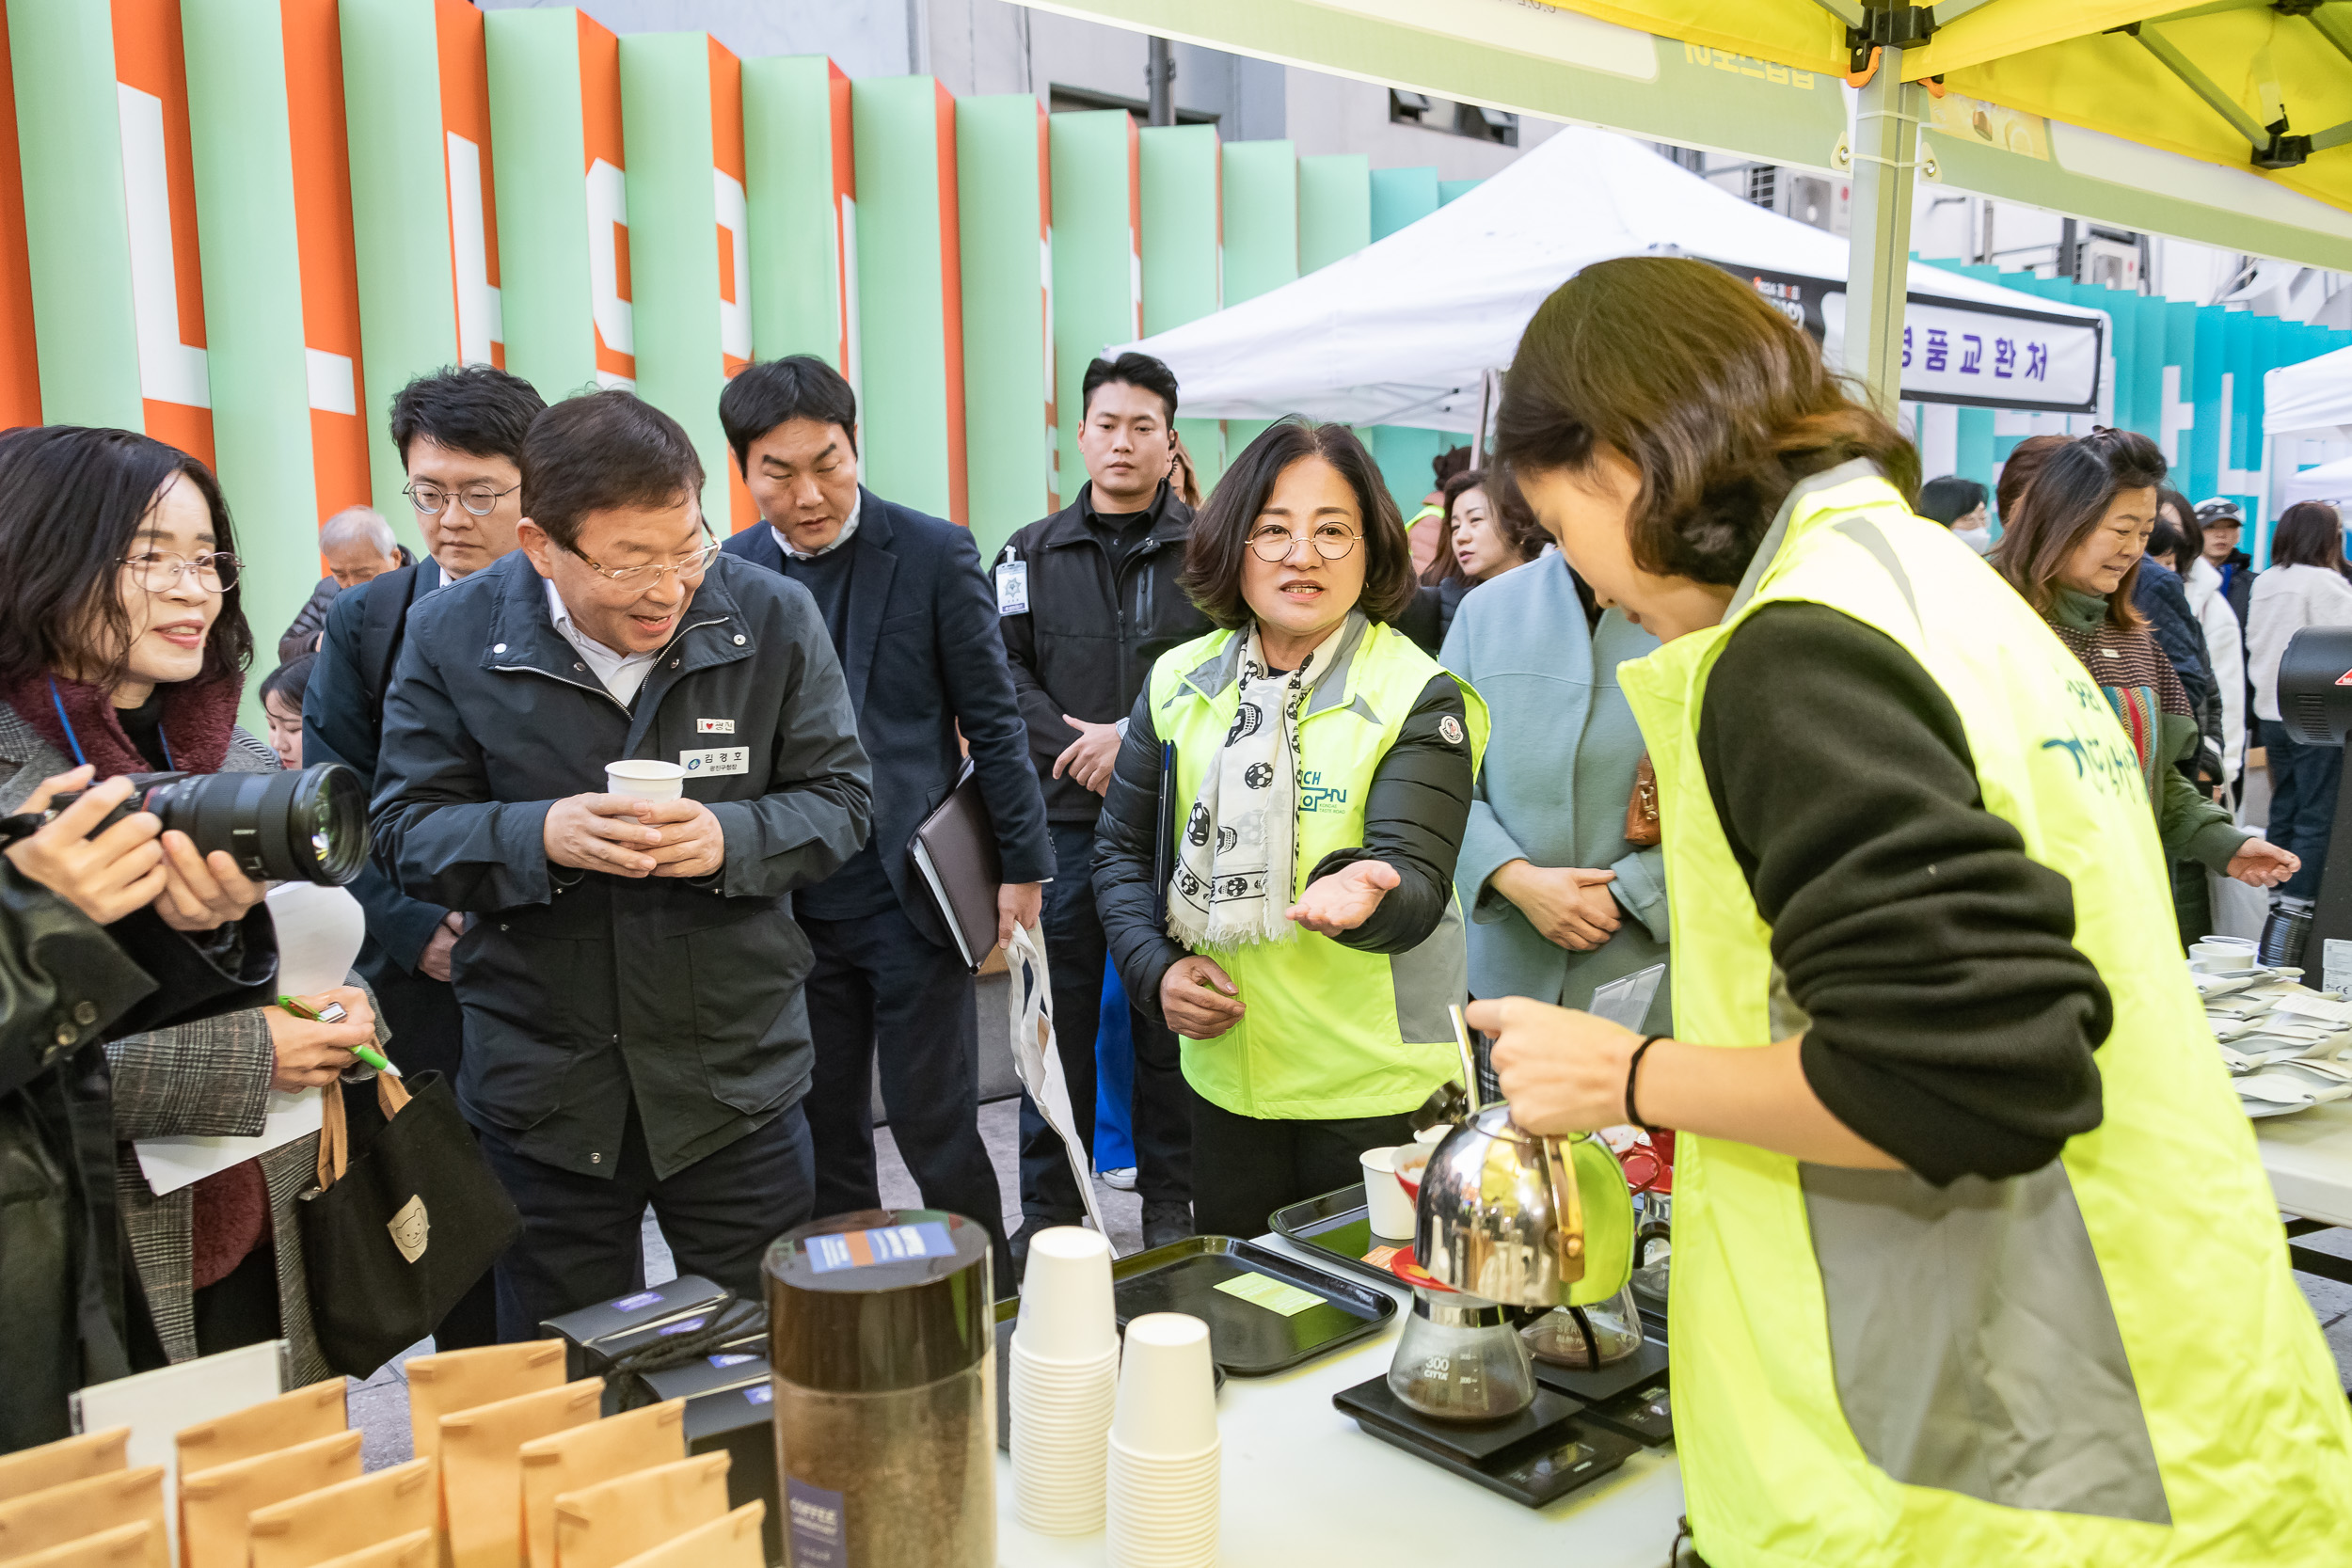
{"points": [[1979, 355]]}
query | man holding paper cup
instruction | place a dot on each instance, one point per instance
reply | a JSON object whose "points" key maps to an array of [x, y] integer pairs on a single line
{"points": [[631, 982]]}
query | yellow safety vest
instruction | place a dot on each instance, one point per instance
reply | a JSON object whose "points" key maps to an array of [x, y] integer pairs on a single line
{"points": [[2103, 1362], [1327, 1032]]}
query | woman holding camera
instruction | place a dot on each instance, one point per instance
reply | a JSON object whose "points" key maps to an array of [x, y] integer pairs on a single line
{"points": [[1952, 1135], [122, 649], [1309, 943]]}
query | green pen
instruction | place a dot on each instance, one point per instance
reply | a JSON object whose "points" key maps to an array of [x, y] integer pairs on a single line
{"points": [[334, 1014]]}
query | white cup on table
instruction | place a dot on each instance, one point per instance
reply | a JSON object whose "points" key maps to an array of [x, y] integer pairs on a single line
{"points": [[1389, 1209]]}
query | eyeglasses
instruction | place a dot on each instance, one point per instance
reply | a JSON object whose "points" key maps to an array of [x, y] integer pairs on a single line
{"points": [[651, 574], [432, 500], [215, 573], [1272, 542]]}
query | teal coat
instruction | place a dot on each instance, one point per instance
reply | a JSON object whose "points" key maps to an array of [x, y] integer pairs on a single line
{"points": [[1558, 772]]}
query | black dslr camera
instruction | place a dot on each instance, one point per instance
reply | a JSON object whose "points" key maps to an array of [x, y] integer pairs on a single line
{"points": [[308, 825]]}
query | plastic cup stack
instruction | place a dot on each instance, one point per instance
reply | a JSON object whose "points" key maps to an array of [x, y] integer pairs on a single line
{"points": [[1164, 1453], [1065, 1379]]}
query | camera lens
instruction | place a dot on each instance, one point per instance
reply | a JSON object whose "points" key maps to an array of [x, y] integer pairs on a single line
{"points": [[309, 826]]}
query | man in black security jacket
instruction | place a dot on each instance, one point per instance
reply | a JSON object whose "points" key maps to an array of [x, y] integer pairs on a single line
{"points": [[910, 613], [631, 977], [1088, 599], [460, 435]]}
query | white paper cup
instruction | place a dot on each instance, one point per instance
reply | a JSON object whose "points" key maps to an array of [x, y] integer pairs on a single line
{"points": [[646, 778], [1162, 1512], [1066, 1297], [1058, 1436], [1433, 1137], [1167, 1387], [1392, 1212], [1412, 1161]]}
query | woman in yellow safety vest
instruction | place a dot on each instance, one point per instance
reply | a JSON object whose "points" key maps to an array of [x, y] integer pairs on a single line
{"points": [[1975, 1262], [1300, 932]]}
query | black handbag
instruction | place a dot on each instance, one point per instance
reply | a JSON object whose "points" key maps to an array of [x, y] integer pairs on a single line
{"points": [[393, 1237]]}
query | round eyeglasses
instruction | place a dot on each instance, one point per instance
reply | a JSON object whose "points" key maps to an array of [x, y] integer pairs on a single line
{"points": [[1272, 542], [431, 499], [160, 573]]}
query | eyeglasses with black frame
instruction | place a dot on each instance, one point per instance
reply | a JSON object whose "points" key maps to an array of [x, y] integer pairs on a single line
{"points": [[431, 499], [652, 572], [159, 572], [1272, 541]]}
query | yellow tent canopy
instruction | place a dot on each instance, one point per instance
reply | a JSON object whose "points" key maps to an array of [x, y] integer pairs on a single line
{"points": [[2247, 83]]}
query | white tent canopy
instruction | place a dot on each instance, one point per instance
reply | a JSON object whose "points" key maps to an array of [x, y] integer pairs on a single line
{"points": [[2312, 400], [1402, 331], [2329, 482]]}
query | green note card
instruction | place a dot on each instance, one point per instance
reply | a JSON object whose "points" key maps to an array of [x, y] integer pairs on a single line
{"points": [[1271, 1294]]}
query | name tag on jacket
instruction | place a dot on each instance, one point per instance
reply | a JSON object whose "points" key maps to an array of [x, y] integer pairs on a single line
{"points": [[718, 760]]}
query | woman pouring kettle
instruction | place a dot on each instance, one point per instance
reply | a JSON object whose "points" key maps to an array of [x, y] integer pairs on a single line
{"points": [[1955, 1142]]}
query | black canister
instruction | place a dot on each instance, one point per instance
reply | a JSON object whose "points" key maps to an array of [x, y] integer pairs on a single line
{"points": [[881, 1331]]}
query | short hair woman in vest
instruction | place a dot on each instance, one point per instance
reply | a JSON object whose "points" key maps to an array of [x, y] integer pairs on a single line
{"points": [[1305, 941], [1953, 1131], [2075, 548]]}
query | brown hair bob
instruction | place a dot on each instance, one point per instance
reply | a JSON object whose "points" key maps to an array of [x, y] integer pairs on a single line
{"points": [[1717, 402], [2066, 498], [1221, 530]]}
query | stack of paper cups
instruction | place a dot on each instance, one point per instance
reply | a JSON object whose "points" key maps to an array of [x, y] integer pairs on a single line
{"points": [[1165, 1451], [1064, 1376]]}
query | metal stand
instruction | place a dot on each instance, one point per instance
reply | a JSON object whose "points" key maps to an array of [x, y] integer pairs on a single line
{"points": [[1885, 154], [2332, 913]]}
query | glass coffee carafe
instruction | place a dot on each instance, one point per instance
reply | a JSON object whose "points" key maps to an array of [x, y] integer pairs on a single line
{"points": [[1587, 1338], [1461, 1360]]}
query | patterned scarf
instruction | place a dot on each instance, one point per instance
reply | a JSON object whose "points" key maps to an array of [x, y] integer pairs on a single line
{"points": [[2140, 682], [1237, 858], [78, 718]]}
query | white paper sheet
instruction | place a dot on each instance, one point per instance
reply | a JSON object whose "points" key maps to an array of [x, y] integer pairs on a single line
{"points": [[319, 932], [156, 1405]]}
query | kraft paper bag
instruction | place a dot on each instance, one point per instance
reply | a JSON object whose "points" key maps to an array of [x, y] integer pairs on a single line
{"points": [[482, 1467], [349, 1516], [302, 1417], [458, 1380], [66, 1513], [605, 1525], [215, 1505], [413, 1550], [124, 1547], [599, 1451], [729, 1543], [31, 1470]]}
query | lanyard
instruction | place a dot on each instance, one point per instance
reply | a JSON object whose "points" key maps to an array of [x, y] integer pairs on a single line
{"points": [[73, 741]]}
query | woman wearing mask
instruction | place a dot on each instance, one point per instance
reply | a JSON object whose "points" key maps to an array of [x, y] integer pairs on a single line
{"points": [[1310, 943], [121, 651], [2308, 584], [1935, 1047]]}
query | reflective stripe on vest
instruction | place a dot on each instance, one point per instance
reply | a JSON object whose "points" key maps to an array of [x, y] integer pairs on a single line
{"points": [[1327, 1032], [2103, 1362]]}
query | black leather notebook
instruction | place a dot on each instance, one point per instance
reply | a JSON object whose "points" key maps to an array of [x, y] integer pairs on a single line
{"points": [[954, 849]]}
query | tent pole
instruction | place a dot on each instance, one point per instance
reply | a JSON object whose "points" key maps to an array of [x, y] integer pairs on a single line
{"points": [[1885, 149]]}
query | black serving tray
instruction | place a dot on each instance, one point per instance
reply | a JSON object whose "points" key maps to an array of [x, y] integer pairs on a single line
{"points": [[1338, 1225], [1244, 1338], [1558, 1448]]}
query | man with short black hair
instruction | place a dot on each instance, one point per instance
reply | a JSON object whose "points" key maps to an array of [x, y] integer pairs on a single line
{"points": [[908, 608], [1088, 597], [631, 977], [460, 432]]}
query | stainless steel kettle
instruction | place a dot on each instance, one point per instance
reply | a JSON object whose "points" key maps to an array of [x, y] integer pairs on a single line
{"points": [[1522, 1219]]}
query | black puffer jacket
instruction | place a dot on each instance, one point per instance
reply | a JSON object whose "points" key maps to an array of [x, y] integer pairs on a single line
{"points": [[1414, 815], [66, 985]]}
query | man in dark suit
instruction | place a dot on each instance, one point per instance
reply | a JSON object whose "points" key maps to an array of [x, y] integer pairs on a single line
{"points": [[460, 433], [913, 620]]}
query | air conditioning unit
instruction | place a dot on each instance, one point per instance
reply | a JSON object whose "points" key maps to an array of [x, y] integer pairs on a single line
{"points": [[2111, 262]]}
